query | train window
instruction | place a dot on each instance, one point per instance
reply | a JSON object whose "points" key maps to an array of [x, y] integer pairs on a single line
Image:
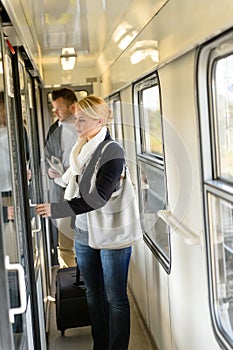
{"points": [[151, 169], [116, 129], [224, 116], [151, 115], [222, 241], [215, 98]]}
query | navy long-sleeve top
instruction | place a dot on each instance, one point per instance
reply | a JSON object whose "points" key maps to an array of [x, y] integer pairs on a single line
{"points": [[110, 167]]}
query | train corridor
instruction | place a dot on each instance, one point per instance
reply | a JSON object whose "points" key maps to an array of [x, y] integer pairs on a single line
{"points": [[80, 338]]}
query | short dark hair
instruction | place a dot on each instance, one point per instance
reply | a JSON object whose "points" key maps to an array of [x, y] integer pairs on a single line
{"points": [[68, 95]]}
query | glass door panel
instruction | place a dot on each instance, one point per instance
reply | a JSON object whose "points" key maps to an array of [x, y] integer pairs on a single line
{"points": [[12, 228], [17, 216], [32, 156]]}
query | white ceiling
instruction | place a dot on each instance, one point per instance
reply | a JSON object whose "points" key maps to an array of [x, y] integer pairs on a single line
{"points": [[86, 25], [44, 27]]}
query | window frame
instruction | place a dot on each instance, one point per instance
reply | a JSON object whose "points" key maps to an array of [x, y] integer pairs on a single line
{"points": [[150, 159], [213, 185], [117, 127]]}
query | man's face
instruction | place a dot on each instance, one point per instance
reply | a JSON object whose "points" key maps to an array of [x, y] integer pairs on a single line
{"points": [[62, 109]]}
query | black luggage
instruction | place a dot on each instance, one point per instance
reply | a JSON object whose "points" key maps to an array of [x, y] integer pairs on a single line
{"points": [[71, 303]]}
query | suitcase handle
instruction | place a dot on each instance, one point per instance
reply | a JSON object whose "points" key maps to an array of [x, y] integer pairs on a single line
{"points": [[78, 281]]}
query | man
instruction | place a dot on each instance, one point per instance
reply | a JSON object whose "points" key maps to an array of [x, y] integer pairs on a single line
{"points": [[60, 139]]}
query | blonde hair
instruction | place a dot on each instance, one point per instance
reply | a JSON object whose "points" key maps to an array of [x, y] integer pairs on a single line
{"points": [[96, 108]]}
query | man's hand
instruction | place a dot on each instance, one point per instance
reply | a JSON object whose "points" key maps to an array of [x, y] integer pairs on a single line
{"points": [[53, 174], [44, 210]]}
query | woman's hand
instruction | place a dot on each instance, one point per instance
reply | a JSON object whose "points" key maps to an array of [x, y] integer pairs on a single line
{"points": [[44, 210]]}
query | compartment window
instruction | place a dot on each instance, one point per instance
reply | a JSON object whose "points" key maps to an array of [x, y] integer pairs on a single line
{"points": [[151, 170], [151, 118], [116, 126], [215, 98], [224, 116]]}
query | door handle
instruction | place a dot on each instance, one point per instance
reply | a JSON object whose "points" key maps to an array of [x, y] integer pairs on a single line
{"points": [[22, 289]]}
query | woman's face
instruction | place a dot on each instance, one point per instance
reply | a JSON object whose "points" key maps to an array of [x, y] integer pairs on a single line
{"points": [[86, 126]]}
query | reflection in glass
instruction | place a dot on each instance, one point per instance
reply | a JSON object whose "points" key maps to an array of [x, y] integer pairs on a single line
{"points": [[116, 125], [152, 124], [8, 225], [221, 237], [124, 35], [6, 186], [152, 175], [153, 199], [30, 142], [143, 49], [224, 116]]}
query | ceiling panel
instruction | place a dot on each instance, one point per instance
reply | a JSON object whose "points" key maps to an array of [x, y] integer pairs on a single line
{"points": [[90, 26]]}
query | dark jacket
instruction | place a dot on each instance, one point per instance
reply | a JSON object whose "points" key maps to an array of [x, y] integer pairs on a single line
{"points": [[107, 181], [53, 142]]}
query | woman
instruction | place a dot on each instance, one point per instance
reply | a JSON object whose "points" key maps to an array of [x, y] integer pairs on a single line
{"points": [[105, 271]]}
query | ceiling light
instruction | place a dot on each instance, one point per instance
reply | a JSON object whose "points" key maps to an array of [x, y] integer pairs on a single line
{"points": [[68, 58]]}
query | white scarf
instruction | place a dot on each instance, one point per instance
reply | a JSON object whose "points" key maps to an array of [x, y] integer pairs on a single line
{"points": [[81, 153]]}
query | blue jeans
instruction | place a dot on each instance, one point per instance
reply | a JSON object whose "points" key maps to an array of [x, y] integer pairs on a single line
{"points": [[105, 273]]}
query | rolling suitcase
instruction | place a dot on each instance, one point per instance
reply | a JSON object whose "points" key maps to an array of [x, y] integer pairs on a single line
{"points": [[71, 303]]}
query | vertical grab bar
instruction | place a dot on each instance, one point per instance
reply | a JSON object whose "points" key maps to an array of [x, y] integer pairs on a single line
{"points": [[36, 220], [22, 289]]}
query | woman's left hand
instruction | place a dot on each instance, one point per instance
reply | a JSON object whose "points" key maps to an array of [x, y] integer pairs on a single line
{"points": [[44, 210]]}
